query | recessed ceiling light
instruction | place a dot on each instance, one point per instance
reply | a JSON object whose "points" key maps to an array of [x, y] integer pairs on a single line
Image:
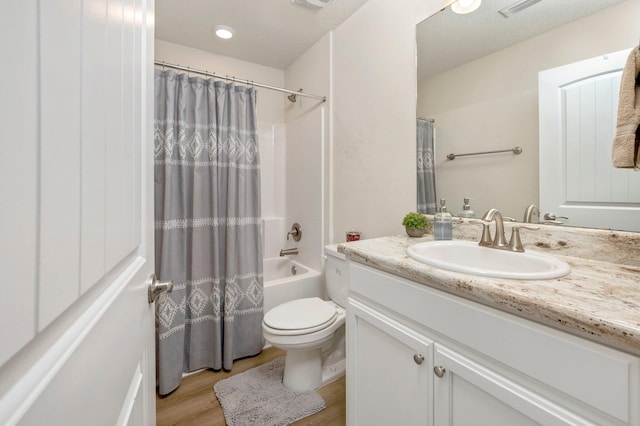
{"points": [[224, 31], [465, 6]]}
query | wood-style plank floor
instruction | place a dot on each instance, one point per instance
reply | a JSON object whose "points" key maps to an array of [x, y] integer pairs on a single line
{"points": [[194, 403]]}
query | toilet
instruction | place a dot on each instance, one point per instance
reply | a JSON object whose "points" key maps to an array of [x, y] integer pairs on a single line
{"points": [[311, 331]]}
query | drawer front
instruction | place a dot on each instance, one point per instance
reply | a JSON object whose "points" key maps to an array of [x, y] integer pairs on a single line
{"points": [[596, 375]]}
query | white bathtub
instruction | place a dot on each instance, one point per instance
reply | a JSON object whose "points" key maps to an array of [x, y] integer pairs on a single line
{"points": [[282, 285]]}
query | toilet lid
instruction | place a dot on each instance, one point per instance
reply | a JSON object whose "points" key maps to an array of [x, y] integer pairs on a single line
{"points": [[301, 314]]}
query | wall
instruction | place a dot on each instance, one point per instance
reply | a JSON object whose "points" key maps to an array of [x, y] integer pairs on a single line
{"points": [[374, 95], [499, 109], [308, 151], [273, 150]]}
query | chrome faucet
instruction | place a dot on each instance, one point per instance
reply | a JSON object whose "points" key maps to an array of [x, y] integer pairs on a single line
{"points": [[499, 240], [531, 214], [289, 251]]}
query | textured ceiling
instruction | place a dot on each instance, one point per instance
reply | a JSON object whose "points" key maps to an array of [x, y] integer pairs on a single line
{"points": [[458, 39], [267, 32]]}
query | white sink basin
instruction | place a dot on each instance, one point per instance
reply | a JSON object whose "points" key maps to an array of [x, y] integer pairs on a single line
{"points": [[470, 258]]}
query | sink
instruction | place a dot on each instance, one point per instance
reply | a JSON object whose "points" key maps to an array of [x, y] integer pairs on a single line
{"points": [[470, 258]]}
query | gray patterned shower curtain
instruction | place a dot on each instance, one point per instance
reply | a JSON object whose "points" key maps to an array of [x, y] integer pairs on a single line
{"points": [[426, 167], [207, 225]]}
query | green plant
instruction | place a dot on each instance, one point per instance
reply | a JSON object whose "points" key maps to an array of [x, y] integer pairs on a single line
{"points": [[415, 220]]}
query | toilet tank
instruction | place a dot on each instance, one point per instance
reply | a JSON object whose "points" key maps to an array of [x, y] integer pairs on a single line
{"points": [[335, 270]]}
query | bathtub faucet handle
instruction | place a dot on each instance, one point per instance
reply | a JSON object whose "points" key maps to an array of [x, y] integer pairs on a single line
{"points": [[296, 232]]}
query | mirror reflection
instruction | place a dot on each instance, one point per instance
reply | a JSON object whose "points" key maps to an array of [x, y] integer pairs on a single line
{"points": [[478, 87]]}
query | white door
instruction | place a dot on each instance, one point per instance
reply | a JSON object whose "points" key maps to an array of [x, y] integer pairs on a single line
{"points": [[578, 110], [76, 228]]}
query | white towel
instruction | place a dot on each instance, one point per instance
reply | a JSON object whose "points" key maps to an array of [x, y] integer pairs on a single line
{"points": [[625, 146]]}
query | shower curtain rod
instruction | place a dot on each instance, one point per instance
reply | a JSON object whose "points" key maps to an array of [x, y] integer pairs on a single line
{"points": [[238, 80]]}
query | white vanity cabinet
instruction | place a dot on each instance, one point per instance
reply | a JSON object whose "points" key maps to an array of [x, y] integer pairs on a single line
{"points": [[419, 356], [393, 378]]}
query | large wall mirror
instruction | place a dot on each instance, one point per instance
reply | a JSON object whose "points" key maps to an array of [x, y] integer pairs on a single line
{"points": [[478, 81]]}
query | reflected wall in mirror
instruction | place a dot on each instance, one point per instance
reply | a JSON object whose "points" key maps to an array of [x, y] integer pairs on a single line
{"points": [[478, 79]]}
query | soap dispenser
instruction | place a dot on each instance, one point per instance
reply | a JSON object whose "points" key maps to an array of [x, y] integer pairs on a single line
{"points": [[466, 210], [443, 223]]}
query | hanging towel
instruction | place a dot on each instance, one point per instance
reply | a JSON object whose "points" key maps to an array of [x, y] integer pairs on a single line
{"points": [[625, 144]]}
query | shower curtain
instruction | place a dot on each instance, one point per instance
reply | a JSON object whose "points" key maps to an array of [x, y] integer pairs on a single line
{"points": [[207, 225], [426, 166]]}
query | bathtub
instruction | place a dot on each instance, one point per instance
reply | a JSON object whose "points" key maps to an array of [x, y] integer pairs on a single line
{"points": [[286, 279]]}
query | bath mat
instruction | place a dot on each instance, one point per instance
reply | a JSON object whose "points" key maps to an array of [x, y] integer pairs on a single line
{"points": [[258, 397]]}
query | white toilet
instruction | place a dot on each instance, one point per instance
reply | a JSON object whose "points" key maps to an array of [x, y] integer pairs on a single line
{"points": [[311, 330]]}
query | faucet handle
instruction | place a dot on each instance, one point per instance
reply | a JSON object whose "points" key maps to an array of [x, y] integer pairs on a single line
{"points": [[552, 219], [486, 239], [515, 244]]}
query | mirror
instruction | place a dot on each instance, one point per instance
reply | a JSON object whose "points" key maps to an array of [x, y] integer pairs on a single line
{"points": [[478, 80]]}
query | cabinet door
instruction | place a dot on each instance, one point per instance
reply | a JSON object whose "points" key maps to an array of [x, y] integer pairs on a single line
{"points": [[467, 393], [389, 379]]}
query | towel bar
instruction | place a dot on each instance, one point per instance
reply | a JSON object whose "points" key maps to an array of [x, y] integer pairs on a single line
{"points": [[516, 150]]}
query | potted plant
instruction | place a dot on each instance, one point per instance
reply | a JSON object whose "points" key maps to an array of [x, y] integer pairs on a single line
{"points": [[416, 224]]}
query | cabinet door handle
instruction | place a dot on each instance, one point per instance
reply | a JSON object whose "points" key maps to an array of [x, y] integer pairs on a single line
{"points": [[418, 358], [439, 370]]}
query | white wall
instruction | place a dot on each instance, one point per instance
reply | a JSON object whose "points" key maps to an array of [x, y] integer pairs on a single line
{"points": [[374, 95], [308, 144], [499, 109], [273, 152]]}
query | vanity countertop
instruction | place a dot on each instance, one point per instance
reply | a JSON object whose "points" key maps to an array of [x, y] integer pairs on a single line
{"points": [[597, 300]]}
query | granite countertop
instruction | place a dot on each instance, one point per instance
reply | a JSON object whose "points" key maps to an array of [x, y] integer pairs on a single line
{"points": [[597, 300]]}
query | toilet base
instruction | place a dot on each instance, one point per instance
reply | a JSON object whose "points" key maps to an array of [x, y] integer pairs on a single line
{"points": [[303, 370], [333, 372]]}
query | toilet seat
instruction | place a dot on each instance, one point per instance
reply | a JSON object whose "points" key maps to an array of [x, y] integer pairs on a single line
{"points": [[300, 316]]}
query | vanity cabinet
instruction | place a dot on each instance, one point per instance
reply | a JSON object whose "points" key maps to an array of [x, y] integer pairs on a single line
{"points": [[420, 356], [393, 376]]}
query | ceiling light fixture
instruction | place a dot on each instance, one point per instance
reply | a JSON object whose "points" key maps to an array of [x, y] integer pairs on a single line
{"points": [[224, 32], [465, 6], [517, 7], [317, 4]]}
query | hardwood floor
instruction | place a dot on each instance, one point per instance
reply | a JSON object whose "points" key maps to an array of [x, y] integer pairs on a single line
{"points": [[194, 403]]}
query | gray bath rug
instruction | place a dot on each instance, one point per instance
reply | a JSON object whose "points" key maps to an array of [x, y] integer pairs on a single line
{"points": [[258, 397]]}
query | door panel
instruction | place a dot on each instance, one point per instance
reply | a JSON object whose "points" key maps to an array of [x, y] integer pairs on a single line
{"points": [[87, 352], [19, 185], [390, 387], [578, 110], [470, 393]]}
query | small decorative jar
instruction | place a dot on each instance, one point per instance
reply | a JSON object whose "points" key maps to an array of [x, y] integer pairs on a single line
{"points": [[353, 235]]}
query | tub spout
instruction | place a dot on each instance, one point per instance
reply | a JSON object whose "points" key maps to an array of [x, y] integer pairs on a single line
{"points": [[285, 252]]}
